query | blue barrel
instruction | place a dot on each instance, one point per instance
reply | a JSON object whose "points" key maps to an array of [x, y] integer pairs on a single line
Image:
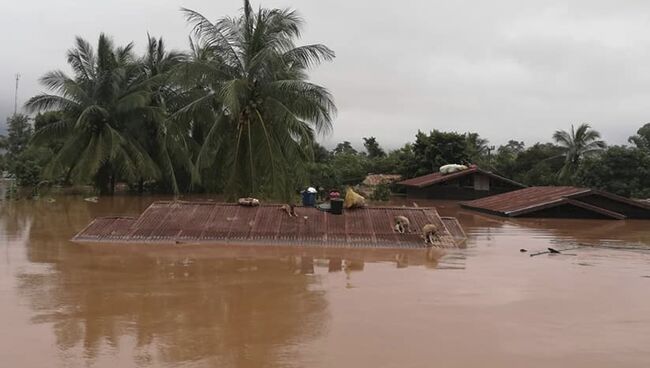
{"points": [[308, 199]]}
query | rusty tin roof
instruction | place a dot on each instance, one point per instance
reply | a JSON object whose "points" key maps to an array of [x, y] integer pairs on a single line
{"points": [[201, 222], [438, 177], [529, 200], [455, 229]]}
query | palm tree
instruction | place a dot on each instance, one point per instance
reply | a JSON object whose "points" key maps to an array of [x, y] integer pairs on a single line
{"points": [[166, 140], [263, 112], [477, 147], [577, 144], [105, 99]]}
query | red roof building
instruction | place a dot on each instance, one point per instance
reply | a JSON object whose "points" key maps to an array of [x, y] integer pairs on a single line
{"points": [[561, 202], [466, 184]]}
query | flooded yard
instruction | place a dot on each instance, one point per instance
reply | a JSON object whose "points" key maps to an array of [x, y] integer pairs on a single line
{"points": [[489, 305]]}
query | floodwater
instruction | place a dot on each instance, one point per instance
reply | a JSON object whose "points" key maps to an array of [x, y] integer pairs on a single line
{"points": [[489, 305]]}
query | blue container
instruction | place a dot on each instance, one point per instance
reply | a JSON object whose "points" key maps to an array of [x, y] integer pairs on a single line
{"points": [[308, 199]]}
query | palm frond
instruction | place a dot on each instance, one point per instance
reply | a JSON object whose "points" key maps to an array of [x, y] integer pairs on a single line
{"points": [[45, 102], [308, 56]]}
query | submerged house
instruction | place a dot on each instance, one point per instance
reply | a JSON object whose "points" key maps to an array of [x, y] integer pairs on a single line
{"points": [[561, 202], [471, 183], [222, 224]]}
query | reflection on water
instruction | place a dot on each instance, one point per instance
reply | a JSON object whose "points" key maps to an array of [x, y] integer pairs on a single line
{"points": [[489, 304]]}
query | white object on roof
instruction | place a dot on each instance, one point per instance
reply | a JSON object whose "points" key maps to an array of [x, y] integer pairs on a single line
{"points": [[452, 168], [311, 190]]}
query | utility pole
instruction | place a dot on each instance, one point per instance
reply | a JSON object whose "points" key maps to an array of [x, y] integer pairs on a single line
{"points": [[16, 95]]}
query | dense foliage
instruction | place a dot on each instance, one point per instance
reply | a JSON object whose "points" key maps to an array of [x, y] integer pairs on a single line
{"points": [[576, 161], [23, 161], [236, 114], [621, 170]]}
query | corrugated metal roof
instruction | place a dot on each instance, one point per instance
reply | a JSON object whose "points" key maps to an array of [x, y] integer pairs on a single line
{"points": [[179, 222], [438, 177], [528, 200], [522, 199], [453, 226]]}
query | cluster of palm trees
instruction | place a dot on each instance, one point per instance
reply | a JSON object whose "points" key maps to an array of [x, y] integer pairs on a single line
{"points": [[235, 112]]}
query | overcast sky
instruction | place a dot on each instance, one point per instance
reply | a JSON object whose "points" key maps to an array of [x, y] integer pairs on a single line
{"points": [[507, 69]]}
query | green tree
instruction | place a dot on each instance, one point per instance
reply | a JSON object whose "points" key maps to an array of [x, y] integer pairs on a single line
{"points": [[538, 165], [23, 161], [27, 167], [437, 149], [349, 168], [19, 133], [101, 104], [321, 154], [166, 140], [344, 147], [46, 118], [642, 138], [477, 147], [621, 170], [506, 156], [3, 149], [42, 120], [265, 113], [575, 145], [373, 148], [402, 161]]}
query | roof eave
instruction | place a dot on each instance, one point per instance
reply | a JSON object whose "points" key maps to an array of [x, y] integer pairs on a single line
{"points": [[612, 196]]}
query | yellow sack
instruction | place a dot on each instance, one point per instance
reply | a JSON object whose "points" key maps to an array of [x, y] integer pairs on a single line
{"points": [[353, 200]]}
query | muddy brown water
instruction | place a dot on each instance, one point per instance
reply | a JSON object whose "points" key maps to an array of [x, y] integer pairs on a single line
{"points": [[68, 305]]}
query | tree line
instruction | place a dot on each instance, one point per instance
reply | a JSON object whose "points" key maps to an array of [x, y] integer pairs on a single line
{"points": [[237, 114], [576, 156]]}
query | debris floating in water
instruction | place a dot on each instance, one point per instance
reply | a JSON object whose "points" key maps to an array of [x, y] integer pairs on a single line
{"points": [[554, 251]]}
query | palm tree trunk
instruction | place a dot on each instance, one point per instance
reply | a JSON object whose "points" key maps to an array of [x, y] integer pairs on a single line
{"points": [[103, 180], [112, 184]]}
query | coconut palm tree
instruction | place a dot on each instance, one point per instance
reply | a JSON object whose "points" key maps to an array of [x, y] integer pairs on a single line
{"points": [[264, 113], [166, 140], [577, 144], [103, 101]]}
